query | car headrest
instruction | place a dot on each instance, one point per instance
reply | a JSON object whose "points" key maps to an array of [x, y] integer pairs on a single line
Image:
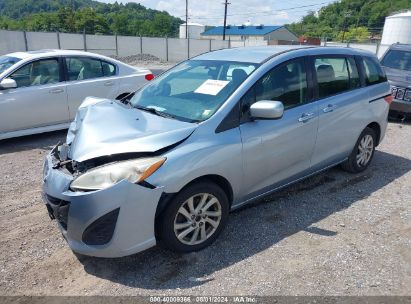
{"points": [[239, 75], [325, 73]]}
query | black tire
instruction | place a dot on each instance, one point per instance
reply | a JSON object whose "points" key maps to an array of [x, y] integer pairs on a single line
{"points": [[166, 221], [351, 164]]}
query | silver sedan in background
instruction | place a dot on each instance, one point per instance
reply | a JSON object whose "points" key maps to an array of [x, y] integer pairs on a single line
{"points": [[40, 91]]}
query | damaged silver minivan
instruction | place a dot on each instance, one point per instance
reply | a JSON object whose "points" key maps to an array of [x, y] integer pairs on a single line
{"points": [[167, 164]]}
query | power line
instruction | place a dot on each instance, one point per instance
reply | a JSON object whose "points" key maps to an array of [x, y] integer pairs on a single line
{"points": [[264, 13], [282, 9], [217, 17]]}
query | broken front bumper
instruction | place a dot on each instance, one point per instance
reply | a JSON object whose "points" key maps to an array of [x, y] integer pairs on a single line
{"points": [[112, 222]]}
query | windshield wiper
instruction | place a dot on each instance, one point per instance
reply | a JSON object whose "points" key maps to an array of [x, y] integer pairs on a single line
{"points": [[127, 99], [156, 112]]}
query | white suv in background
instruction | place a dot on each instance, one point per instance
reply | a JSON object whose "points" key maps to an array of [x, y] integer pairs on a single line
{"points": [[40, 91]]}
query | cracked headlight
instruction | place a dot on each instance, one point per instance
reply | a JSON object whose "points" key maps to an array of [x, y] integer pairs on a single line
{"points": [[134, 171]]}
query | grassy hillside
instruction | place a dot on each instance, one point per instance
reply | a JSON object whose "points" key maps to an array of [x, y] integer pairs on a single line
{"points": [[92, 16], [349, 19]]}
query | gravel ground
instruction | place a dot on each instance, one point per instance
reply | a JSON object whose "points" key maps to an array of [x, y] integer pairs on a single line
{"points": [[146, 61], [333, 234]]}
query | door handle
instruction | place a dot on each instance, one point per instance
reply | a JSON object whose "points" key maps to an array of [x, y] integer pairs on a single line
{"points": [[329, 108], [56, 91], [306, 117], [108, 83]]}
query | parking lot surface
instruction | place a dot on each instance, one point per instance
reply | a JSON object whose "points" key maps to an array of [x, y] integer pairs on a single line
{"points": [[332, 234]]}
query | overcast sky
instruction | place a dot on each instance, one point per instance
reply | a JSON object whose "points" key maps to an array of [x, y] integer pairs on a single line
{"points": [[211, 12]]}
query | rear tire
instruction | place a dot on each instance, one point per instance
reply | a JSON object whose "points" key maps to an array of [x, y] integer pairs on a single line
{"points": [[194, 218], [363, 152]]}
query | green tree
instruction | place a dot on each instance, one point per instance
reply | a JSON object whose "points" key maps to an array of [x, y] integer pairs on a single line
{"points": [[43, 22], [66, 19], [91, 22], [161, 25], [93, 16], [358, 34], [346, 15], [120, 24]]}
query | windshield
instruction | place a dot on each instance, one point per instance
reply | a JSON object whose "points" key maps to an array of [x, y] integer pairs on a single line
{"points": [[193, 90], [6, 62], [395, 59]]}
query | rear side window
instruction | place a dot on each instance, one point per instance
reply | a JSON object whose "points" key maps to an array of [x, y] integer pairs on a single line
{"points": [[336, 75], [373, 71], [81, 68], [353, 73], [108, 69]]}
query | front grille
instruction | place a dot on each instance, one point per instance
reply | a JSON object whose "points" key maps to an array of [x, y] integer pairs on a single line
{"points": [[59, 208], [401, 93]]}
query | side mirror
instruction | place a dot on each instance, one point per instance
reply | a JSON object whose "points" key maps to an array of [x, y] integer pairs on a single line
{"points": [[8, 83], [267, 109]]}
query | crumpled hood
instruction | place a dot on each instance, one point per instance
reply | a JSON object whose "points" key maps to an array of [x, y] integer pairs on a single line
{"points": [[398, 77], [104, 127]]}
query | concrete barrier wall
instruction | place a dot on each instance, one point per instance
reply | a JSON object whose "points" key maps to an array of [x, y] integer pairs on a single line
{"points": [[11, 41], [177, 49], [219, 44], [371, 47], [171, 49], [101, 44], [366, 47], [337, 44], [243, 43], [155, 46], [37, 41], [128, 46], [71, 41], [198, 47]]}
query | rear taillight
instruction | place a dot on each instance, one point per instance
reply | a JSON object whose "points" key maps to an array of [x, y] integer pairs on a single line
{"points": [[389, 99], [149, 77]]}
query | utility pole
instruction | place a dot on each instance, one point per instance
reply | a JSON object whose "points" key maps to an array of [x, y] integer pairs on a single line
{"points": [[225, 17], [346, 15], [186, 19]]}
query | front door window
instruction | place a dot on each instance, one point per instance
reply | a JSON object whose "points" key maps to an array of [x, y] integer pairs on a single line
{"points": [[38, 72]]}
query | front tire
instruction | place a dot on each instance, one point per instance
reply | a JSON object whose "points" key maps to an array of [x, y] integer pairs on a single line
{"points": [[194, 218], [363, 152]]}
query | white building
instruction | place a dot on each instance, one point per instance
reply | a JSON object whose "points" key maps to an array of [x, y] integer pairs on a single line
{"points": [[397, 28], [270, 33], [194, 30]]}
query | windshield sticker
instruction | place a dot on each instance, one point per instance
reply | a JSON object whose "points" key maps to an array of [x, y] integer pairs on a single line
{"points": [[206, 113], [211, 87]]}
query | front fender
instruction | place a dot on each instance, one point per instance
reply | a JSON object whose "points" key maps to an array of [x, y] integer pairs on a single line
{"points": [[218, 154]]}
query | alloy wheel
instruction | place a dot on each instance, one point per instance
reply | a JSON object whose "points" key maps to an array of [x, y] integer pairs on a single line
{"points": [[365, 150], [197, 218]]}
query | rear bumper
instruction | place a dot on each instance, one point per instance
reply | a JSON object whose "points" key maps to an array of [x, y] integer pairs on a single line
{"points": [[401, 106], [125, 211]]}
